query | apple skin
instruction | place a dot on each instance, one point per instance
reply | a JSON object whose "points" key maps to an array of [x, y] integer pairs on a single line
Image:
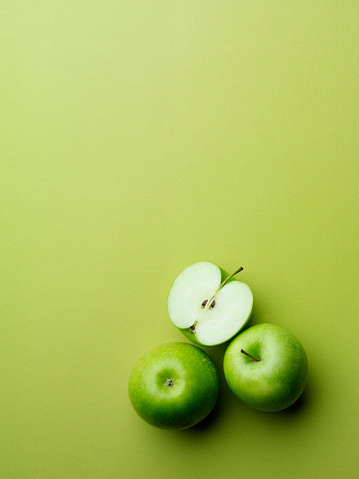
{"points": [[191, 396], [278, 379], [192, 337]]}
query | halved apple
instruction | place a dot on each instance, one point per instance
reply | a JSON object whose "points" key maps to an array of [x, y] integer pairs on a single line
{"points": [[208, 305]]}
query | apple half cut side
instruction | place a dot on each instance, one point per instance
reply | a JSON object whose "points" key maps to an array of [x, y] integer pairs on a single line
{"points": [[208, 305]]}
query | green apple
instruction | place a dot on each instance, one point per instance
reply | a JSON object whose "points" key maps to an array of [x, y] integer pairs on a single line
{"points": [[174, 386], [208, 305], [266, 367]]}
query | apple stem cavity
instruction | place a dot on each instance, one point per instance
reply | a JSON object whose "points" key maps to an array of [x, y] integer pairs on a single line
{"points": [[169, 382], [229, 277], [212, 303], [247, 354]]}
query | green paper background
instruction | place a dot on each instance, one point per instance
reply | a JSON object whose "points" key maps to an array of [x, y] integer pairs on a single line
{"points": [[138, 137]]}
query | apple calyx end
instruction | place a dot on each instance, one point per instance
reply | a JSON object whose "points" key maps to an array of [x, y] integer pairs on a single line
{"points": [[193, 327], [169, 382]]}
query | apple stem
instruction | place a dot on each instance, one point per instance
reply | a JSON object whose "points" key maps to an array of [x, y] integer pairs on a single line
{"points": [[247, 354], [211, 303], [230, 276]]}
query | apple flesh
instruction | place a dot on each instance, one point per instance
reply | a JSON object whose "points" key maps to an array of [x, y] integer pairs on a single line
{"points": [[266, 367], [208, 305], [174, 386]]}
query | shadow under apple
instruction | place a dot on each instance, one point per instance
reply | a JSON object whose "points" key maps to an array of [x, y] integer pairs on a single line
{"points": [[228, 405]]}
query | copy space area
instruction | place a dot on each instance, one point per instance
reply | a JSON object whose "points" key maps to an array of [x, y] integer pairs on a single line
{"points": [[137, 138]]}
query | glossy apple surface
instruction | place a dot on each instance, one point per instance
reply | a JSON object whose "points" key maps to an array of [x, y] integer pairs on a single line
{"points": [[208, 305], [273, 373], [174, 386]]}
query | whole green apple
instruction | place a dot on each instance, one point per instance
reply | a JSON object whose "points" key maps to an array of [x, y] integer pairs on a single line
{"points": [[266, 367], [208, 305], [174, 386]]}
